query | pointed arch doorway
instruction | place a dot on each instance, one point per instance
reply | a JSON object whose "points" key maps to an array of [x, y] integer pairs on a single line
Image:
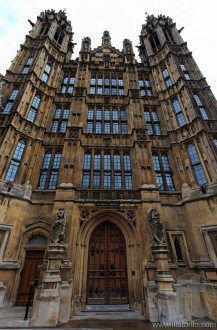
{"points": [[107, 280]]}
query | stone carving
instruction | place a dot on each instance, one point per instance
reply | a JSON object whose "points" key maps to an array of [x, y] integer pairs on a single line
{"points": [[157, 227], [58, 232], [27, 188], [186, 191], [131, 215], [135, 93], [84, 214], [73, 133], [27, 129], [7, 187], [85, 46], [141, 135], [132, 195], [106, 39], [127, 45], [185, 133], [79, 91]]}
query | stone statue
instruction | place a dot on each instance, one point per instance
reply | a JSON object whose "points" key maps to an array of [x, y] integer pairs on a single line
{"points": [[128, 48], [186, 191], [85, 45], [157, 227], [58, 232]]}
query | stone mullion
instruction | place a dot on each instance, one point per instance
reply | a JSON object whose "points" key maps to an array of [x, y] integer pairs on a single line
{"points": [[91, 168], [122, 170]]}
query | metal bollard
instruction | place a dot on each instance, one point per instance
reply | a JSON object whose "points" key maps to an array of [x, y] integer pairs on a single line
{"points": [[28, 302]]}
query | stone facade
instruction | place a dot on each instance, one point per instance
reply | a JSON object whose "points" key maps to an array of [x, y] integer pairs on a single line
{"points": [[105, 138]]}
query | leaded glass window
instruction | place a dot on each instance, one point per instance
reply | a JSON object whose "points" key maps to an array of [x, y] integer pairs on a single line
{"points": [[195, 162]]}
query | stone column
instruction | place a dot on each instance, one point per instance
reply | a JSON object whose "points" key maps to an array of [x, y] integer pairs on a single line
{"points": [[166, 298], [46, 307]]}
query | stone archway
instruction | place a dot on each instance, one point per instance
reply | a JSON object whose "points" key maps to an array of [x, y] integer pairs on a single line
{"points": [[133, 257]]}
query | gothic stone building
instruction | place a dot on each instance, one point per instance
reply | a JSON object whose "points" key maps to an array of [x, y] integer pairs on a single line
{"points": [[108, 174]]}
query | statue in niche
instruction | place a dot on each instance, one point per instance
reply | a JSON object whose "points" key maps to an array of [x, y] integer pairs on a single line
{"points": [[58, 232], [157, 227]]}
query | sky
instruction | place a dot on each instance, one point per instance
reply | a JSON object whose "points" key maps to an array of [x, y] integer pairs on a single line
{"points": [[122, 18]]}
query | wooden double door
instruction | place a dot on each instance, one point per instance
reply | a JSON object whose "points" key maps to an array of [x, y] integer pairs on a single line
{"points": [[30, 273], [107, 266]]}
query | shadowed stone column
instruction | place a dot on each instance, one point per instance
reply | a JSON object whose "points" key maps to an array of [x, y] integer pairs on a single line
{"points": [[165, 298], [46, 306]]}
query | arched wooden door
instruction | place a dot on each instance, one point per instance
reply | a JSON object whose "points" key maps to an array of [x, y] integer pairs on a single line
{"points": [[107, 266], [35, 250]]}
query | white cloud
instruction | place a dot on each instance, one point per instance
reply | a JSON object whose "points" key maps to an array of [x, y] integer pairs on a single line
{"points": [[123, 19]]}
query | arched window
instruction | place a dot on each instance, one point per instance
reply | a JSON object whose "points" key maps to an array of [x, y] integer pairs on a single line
{"points": [[9, 104], [90, 118], [55, 170], [27, 65], [195, 163], [115, 124], [99, 121], [34, 108], [97, 161], [107, 161], [117, 162], [59, 35], [57, 159], [15, 161], [127, 172], [107, 170], [178, 249], [163, 172], [60, 120], [87, 161], [47, 158], [37, 240], [107, 121], [49, 172], [46, 73], [90, 114], [45, 28], [97, 172], [86, 170], [166, 77], [201, 107], [155, 43], [127, 165], [178, 112], [117, 171]]}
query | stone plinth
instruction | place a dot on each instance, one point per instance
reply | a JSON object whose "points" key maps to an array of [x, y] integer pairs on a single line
{"points": [[46, 306], [161, 303]]}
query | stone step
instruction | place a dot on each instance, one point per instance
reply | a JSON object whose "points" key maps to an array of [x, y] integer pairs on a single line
{"points": [[107, 307], [108, 312]]}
